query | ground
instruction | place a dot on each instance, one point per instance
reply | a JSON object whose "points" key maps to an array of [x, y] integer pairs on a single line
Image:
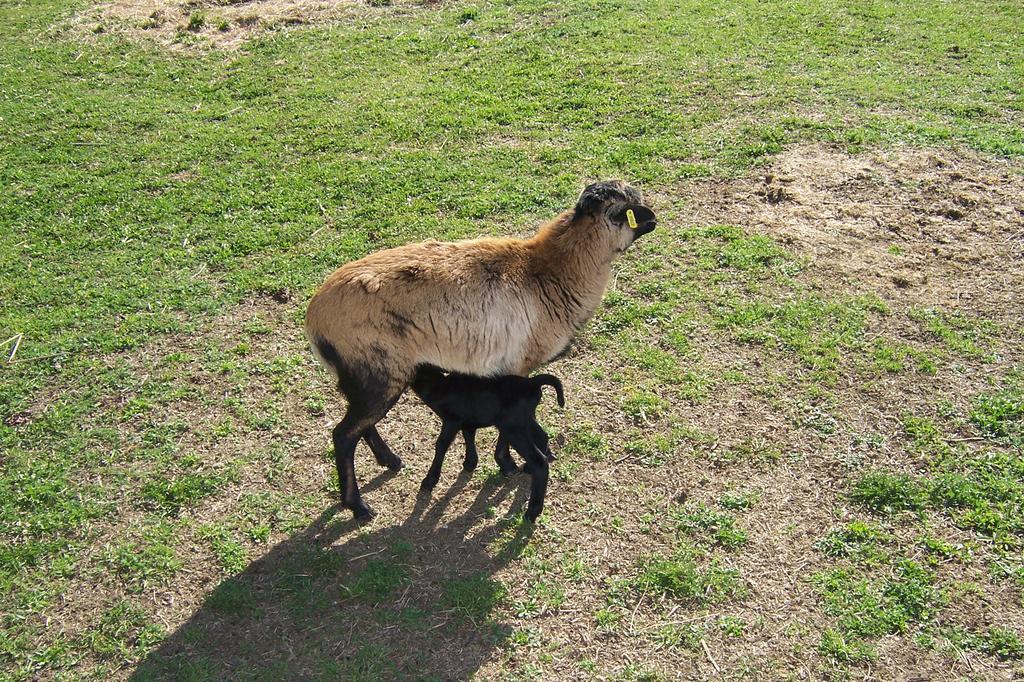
{"points": [[792, 446]]}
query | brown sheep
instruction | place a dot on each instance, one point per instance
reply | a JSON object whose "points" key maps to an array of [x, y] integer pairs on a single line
{"points": [[484, 307]]}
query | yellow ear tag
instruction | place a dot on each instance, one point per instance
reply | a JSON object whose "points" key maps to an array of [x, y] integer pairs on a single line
{"points": [[631, 218]]}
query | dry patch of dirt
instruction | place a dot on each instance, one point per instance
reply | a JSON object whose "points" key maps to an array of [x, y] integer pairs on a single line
{"points": [[925, 227], [219, 23]]}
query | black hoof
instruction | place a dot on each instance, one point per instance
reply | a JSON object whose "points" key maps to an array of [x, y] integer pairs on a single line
{"points": [[362, 512], [469, 465], [427, 487], [508, 468]]}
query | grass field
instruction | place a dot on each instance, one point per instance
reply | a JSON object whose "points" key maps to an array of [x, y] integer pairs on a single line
{"points": [[794, 440]]}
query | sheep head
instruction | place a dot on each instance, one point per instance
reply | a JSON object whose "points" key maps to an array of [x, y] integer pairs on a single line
{"points": [[614, 215]]}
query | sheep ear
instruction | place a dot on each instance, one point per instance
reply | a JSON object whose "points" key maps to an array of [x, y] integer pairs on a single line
{"points": [[591, 200], [598, 194], [632, 215]]}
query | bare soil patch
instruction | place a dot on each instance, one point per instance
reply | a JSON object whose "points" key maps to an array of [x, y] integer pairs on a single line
{"points": [[924, 227], [219, 23]]}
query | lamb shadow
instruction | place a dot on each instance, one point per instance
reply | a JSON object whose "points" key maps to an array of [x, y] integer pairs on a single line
{"points": [[408, 601]]}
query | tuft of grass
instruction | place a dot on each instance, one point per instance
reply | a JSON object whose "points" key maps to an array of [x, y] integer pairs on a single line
{"points": [[543, 596], [753, 252], [925, 434], [473, 597], [234, 597], [888, 605], [750, 451], [732, 626], [678, 577], [585, 441], [699, 520], [651, 450], [1000, 642], [940, 551], [196, 21], [151, 559], [684, 636], [379, 579], [968, 336], [881, 491], [1001, 415], [997, 641], [839, 648], [607, 619], [123, 633], [894, 358], [173, 494], [738, 500], [230, 553], [857, 540], [641, 405]]}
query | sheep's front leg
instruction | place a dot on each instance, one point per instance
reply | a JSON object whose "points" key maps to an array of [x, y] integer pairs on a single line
{"points": [[444, 441]]}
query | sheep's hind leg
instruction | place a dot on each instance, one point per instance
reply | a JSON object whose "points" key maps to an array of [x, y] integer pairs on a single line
{"points": [[381, 452], [362, 414]]}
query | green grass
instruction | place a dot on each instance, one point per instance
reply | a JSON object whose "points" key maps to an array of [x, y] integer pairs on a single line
{"points": [[874, 591], [881, 491], [473, 597], [700, 521], [684, 636], [981, 490], [816, 330], [960, 333], [205, 237], [679, 578], [857, 540], [1001, 415], [171, 495], [149, 560], [232, 596], [123, 633], [996, 641], [870, 608]]}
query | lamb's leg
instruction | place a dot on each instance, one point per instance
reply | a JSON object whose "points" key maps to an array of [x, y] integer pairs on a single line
{"points": [[469, 436], [444, 441], [381, 452], [542, 440], [536, 464], [506, 464]]}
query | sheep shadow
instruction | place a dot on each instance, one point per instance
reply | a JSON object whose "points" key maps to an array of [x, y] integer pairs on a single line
{"points": [[408, 601]]}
